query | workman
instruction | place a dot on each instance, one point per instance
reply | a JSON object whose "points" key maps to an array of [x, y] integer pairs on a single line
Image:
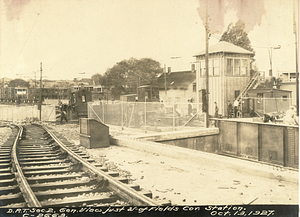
{"points": [[216, 110], [229, 109], [63, 114], [291, 117], [235, 105], [190, 107]]}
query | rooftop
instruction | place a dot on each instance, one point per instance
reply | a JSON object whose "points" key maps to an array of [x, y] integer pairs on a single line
{"points": [[226, 47], [177, 80]]}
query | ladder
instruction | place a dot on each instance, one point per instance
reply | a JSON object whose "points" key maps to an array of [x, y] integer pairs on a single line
{"points": [[253, 83]]}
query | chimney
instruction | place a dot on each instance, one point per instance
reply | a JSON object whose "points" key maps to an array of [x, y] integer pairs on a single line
{"points": [[193, 68], [169, 69]]}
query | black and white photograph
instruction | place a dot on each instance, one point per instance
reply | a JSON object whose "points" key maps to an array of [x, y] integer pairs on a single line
{"points": [[149, 108]]}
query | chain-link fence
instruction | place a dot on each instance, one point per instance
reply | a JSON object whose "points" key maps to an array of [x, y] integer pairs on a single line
{"points": [[151, 116], [12, 113], [259, 106]]}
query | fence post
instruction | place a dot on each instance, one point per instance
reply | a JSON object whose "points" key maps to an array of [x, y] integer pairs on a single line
{"points": [[174, 117], [122, 114], [145, 115], [102, 103], [106, 109], [259, 142], [286, 152], [238, 145]]}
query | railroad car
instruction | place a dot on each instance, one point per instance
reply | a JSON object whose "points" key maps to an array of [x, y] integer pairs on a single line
{"points": [[79, 100]]}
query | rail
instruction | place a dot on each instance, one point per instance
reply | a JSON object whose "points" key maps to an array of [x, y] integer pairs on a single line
{"points": [[124, 191], [25, 188]]}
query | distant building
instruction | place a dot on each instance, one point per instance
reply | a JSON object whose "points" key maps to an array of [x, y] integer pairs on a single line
{"points": [[229, 73], [13, 93], [98, 92], [288, 76], [290, 86], [289, 83], [148, 93], [177, 87]]}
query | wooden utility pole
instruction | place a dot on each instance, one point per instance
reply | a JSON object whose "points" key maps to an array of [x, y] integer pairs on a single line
{"points": [[206, 67], [40, 104], [165, 75], [296, 48], [35, 79]]}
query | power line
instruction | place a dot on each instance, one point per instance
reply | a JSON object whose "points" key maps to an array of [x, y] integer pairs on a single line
{"points": [[25, 41]]}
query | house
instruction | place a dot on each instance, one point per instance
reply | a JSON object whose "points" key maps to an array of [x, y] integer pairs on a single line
{"points": [[288, 76], [268, 100], [229, 74], [177, 87], [291, 86], [289, 83]]}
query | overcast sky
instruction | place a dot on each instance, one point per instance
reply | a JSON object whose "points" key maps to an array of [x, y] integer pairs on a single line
{"points": [[72, 37]]}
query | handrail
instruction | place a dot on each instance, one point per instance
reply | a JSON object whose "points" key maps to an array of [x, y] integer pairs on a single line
{"points": [[25, 188], [249, 85]]}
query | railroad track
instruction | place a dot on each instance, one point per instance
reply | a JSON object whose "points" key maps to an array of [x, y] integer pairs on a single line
{"points": [[40, 168]]}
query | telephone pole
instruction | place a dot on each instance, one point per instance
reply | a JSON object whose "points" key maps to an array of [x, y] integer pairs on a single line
{"points": [[165, 76], [296, 51], [40, 103], [206, 67]]}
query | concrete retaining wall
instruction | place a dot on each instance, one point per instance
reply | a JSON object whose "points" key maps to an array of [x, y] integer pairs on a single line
{"points": [[203, 158]]}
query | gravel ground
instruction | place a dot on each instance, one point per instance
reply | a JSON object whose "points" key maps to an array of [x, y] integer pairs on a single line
{"points": [[4, 133], [183, 182]]}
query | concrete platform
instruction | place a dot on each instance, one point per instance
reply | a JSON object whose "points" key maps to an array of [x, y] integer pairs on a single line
{"points": [[164, 136]]}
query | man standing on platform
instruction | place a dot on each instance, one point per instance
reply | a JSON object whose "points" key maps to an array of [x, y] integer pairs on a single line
{"points": [[216, 110], [229, 109], [236, 105]]}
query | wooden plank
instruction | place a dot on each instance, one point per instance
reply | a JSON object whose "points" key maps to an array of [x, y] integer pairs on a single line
{"points": [[11, 196], [4, 165], [43, 162], [38, 158], [44, 172], [80, 200], [5, 181], [36, 155], [63, 192], [9, 188], [8, 175], [45, 167], [55, 185], [47, 178]]}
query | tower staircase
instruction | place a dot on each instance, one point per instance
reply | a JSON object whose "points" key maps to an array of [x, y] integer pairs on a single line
{"points": [[253, 83]]}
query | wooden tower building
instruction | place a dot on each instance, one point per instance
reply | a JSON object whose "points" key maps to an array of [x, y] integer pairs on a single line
{"points": [[229, 74]]}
